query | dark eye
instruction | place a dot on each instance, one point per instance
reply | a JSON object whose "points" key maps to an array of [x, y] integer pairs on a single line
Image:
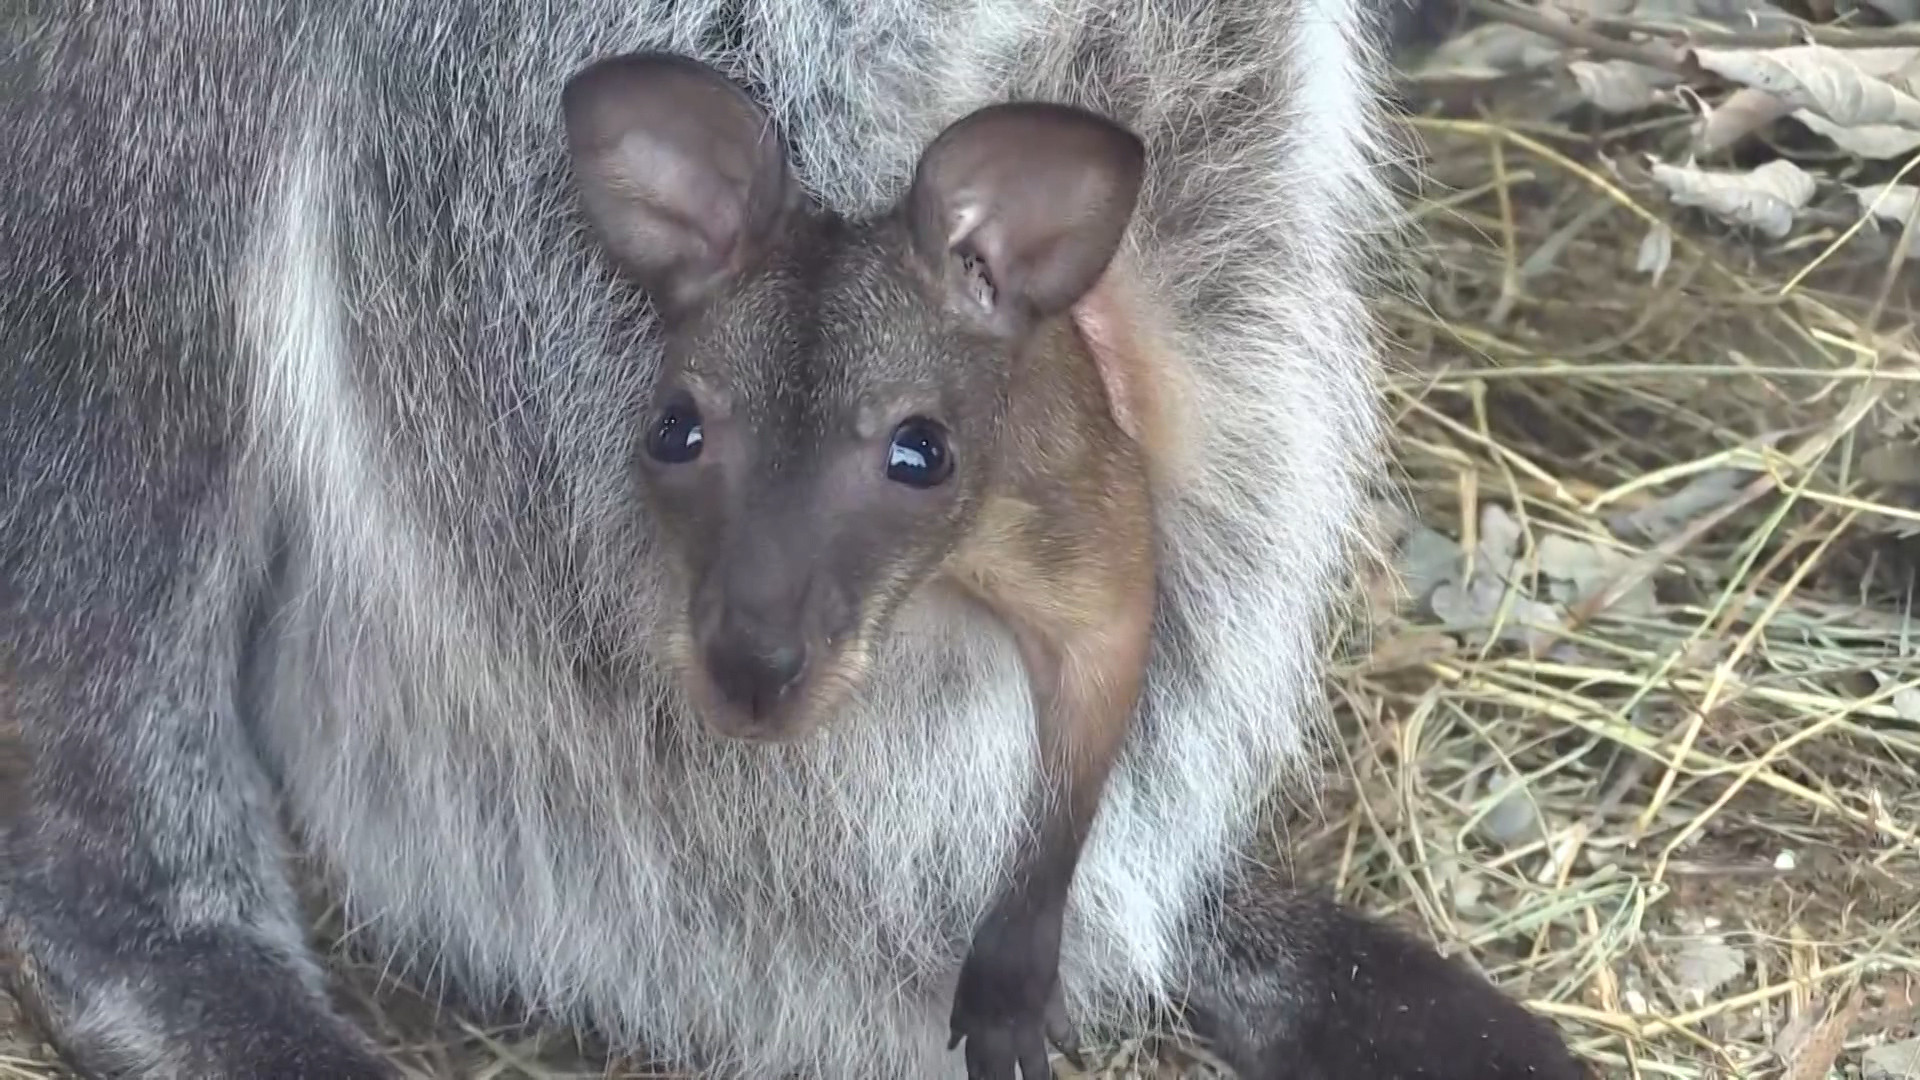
{"points": [[676, 437], [918, 455]]}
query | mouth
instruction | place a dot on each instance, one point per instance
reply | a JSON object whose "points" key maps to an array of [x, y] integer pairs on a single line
{"points": [[772, 700], [782, 719]]}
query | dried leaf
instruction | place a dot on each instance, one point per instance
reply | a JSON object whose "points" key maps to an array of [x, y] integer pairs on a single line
{"points": [[1576, 570], [1893, 1061], [1665, 517], [1896, 463], [1876, 141], [1472, 606], [1765, 199], [1906, 703], [1896, 10], [1705, 964], [1751, 14], [1745, 111], [1410, 648], [1897, 64], [1475, 606], [1891, 204], [1490, 51], [1620, 86], [1590, 8], [1820, 79], [1499, 547], [1899, 411], [1427, 558], [1656, 252], [1813, 1043]]}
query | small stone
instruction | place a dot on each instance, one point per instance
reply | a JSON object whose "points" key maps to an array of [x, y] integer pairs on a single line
{"points": [[1512, 821], [1785, 861]]}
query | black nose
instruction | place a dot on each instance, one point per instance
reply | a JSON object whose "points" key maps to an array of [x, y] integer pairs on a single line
{"points": [[752, 673]]}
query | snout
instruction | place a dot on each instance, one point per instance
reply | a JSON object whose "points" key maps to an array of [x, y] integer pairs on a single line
{"points": [[756, 674], [770, 644], [768, 680]]}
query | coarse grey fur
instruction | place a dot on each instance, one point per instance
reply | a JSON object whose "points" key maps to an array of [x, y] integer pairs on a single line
{"points": [[317, 414]]}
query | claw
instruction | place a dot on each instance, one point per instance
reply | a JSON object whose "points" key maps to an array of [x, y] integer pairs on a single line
{"points": [[1060, 1030]]}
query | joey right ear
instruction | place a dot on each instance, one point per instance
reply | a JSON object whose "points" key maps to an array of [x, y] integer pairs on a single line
{"points": [[681, 174], [1018, 207]]}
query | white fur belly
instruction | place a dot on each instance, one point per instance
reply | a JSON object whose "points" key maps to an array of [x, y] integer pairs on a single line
{"points": [[806, 906]]}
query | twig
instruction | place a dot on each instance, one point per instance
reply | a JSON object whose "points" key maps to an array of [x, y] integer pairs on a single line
{"points": [[1666, 58], [1664, 553], [1595, 35], [1833, 37]]}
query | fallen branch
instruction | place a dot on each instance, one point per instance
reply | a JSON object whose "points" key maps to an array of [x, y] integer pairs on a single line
{"points": [[1597, 35], [1834, 37], [1663, 57]]}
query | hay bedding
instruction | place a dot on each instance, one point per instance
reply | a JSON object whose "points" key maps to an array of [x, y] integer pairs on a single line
{"points": [[1633, 718]]}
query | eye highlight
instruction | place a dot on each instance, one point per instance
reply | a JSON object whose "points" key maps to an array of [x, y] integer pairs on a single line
{"points": [[918, 455], [676, 437]]}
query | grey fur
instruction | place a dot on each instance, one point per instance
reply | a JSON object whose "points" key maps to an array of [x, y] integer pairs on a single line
{"points": [[316, 414]]}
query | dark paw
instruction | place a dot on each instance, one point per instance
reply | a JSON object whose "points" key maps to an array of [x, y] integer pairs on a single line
{"points": [[1009, 1006]]}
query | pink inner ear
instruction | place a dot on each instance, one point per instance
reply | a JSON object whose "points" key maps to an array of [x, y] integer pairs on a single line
{"points": [[1120, 353]]}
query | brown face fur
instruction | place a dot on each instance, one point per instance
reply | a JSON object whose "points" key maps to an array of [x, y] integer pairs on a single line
{"points": [[790, 533], [832, 410]]}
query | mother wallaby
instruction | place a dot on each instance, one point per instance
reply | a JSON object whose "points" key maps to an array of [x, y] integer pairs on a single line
{"points": [[319, 414]]}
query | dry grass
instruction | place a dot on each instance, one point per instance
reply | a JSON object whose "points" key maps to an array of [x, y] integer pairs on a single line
{"points": [[1721, 773], [1709, 867]]}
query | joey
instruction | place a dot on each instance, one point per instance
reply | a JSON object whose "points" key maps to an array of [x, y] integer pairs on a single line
{"points": [[852, 410]]}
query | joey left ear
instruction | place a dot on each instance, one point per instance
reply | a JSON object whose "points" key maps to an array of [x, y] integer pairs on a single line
{"points": [[682, 175], [1018, 208]]}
